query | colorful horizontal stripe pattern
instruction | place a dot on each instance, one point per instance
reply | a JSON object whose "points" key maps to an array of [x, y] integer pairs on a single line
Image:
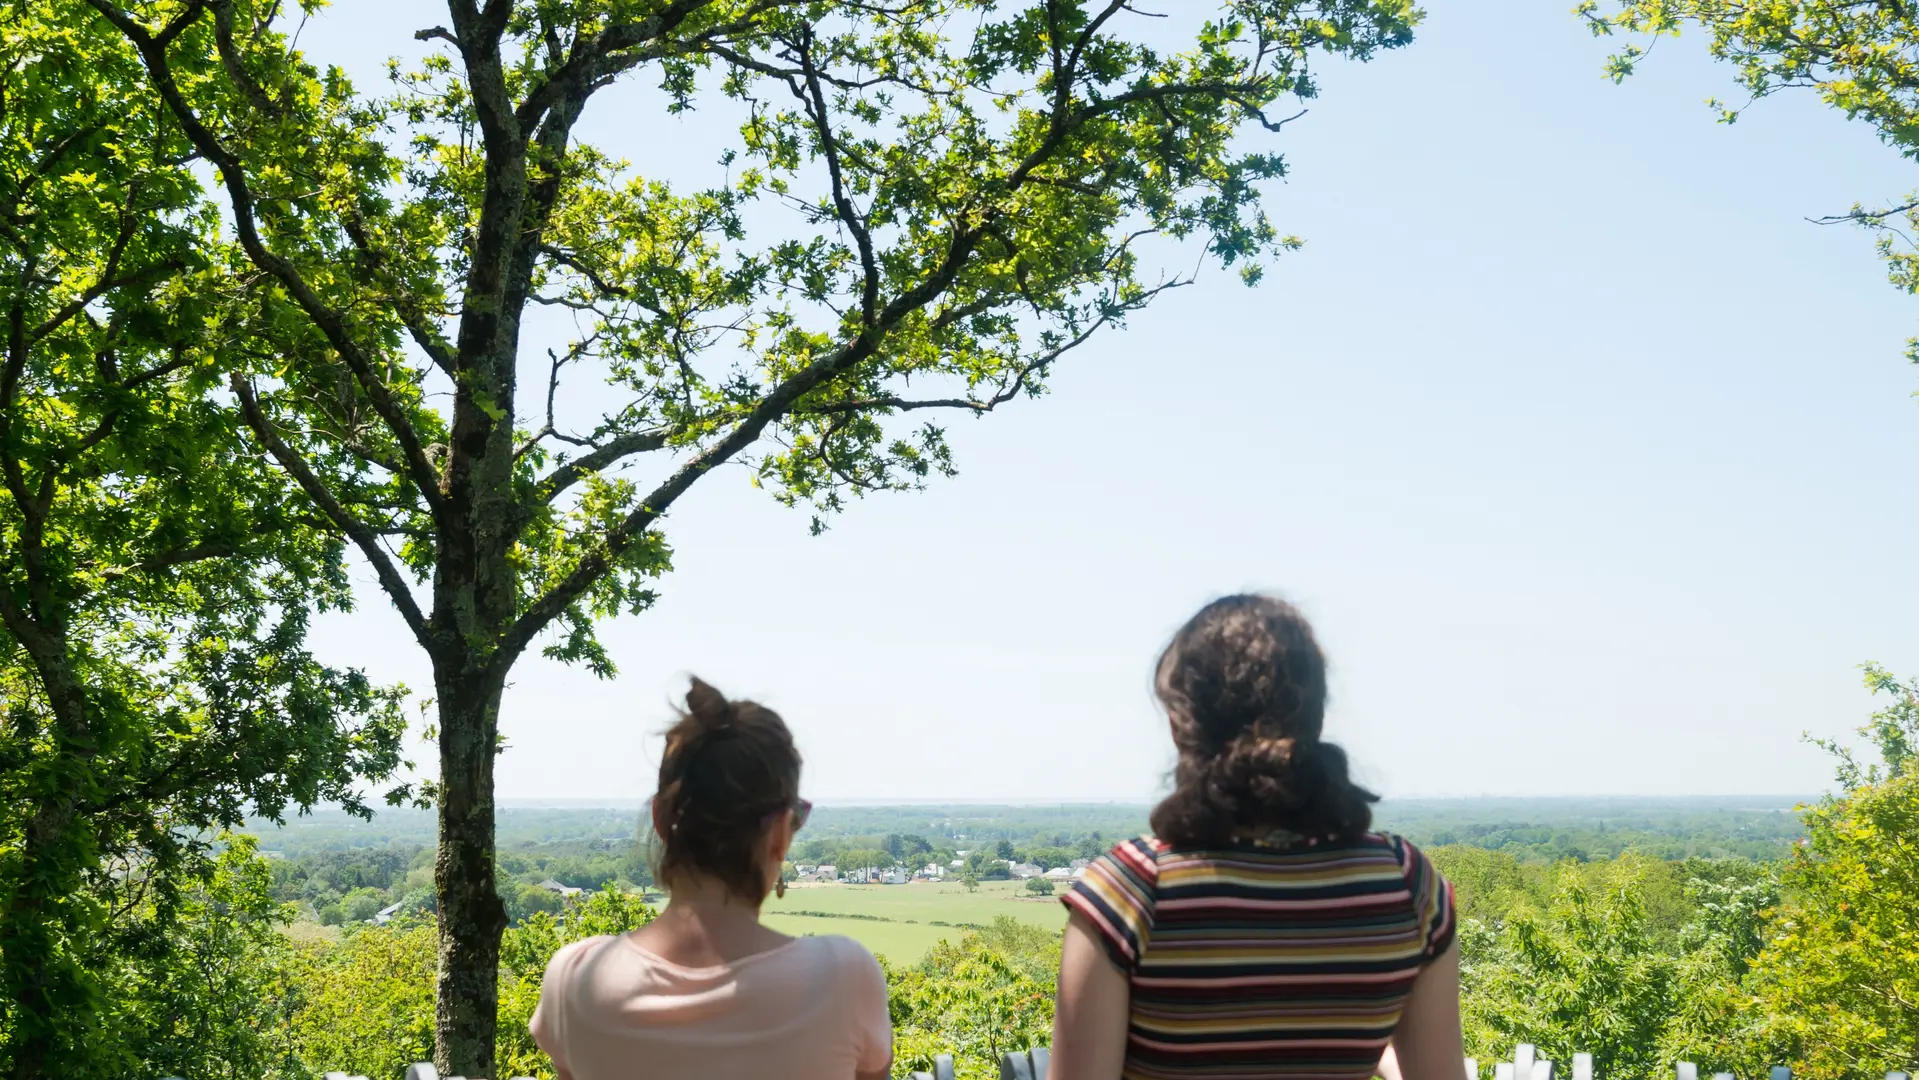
{"points": [[1256, 962]]}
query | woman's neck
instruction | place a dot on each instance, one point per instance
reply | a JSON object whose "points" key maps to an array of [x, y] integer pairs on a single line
{"points": [[705, 924], [709, 900]]}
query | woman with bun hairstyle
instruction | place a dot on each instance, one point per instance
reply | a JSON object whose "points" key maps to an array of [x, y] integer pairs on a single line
{"points": [[705, 991], [1263, 930]]}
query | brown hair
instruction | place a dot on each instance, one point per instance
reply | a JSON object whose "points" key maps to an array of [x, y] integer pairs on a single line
{"points": [[1244, 685], [729, 767]]}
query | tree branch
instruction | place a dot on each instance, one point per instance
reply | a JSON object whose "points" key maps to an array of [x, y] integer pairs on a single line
{"points": [[1858, 216], [356, 530], [815, 103], [425, 335], [596, 563], [332, 324], [1007, 392], [597, 460], [587, 57]]}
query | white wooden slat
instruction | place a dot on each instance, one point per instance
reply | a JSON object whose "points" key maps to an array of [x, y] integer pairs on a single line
{"points": [[1582, 1067]]}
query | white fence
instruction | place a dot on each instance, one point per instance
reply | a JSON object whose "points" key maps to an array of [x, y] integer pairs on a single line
{"points": [[1525, 1065], [1032, 1065], [417, 1071]]}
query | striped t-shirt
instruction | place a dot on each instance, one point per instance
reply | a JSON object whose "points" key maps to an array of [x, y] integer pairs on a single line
{"points": [[1255, 961]]}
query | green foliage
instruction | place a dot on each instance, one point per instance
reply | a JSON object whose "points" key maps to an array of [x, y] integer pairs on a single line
{"points": [[156, 577], [366, 1004], [529, 900], [1838, 978], [1859, 58], [1584, 974], [1039, 886], [1728, 964], [990, 993]]}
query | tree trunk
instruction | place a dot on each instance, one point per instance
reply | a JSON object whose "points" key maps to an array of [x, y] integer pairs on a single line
{"points": [[472, 918], [28, 941], [54, 847]]}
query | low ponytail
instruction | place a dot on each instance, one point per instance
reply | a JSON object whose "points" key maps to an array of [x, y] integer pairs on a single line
{"points": [[1244, 687]]}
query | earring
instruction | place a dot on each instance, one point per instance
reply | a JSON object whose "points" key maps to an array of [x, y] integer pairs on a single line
{"points": [[779, 889]]}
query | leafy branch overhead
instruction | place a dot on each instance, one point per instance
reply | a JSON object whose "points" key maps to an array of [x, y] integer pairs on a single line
{"points": [[1859, 57], [156, 580], [963, 212]]}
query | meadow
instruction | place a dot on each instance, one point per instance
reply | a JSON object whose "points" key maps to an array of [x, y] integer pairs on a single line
{"points": [[901, 922]]}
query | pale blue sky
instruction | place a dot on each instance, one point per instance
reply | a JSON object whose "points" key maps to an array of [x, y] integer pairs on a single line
{"points": [[1590, 457]]}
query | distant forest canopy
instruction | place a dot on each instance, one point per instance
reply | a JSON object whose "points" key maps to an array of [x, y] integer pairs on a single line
{"points": [[1544, 829]]}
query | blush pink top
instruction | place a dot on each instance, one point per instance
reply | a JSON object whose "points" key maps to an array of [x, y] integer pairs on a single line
{"points": [[812, 1009]]}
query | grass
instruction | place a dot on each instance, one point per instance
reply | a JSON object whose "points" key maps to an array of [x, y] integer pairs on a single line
{"points": [[899, 922], [899, 943], [303, 931]]}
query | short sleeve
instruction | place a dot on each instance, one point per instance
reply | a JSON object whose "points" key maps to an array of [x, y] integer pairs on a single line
{"points": [[548, 1025], [1116, 895], [1432, 898], [872, 1022]]}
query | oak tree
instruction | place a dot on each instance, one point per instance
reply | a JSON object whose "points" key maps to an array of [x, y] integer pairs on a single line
{"points": [[927, 205], [156, 575]]}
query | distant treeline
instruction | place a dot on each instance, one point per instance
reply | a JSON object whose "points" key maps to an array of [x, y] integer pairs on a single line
{"points": [[1544, 829], [340, 869]]}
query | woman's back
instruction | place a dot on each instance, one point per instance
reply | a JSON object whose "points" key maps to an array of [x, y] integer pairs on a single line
{"points": [[814, 1007], [706, 990], [1265, 961]]}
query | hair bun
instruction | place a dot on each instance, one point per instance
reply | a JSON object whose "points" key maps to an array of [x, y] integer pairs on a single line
{"points": [[708, 706], [1244, 686]]}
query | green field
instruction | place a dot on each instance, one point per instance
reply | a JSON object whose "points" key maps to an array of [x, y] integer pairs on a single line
{"points": [[899, 920]]}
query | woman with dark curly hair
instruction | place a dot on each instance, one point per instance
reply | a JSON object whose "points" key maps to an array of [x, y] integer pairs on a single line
{"points": [[1263, 930], [706, 990]]}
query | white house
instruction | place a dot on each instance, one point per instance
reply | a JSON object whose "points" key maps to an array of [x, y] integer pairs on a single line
{"points": [[893, 876], [1024, 870], [555, 887], [385, 915], [1059, 873], [826, 872]]}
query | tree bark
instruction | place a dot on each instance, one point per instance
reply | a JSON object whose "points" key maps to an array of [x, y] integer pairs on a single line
{"points": [[53, 848], [472, 917]]}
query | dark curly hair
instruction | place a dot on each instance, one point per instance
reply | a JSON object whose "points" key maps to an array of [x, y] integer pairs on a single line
{"points": [[1244, 685], [729, 767]]}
